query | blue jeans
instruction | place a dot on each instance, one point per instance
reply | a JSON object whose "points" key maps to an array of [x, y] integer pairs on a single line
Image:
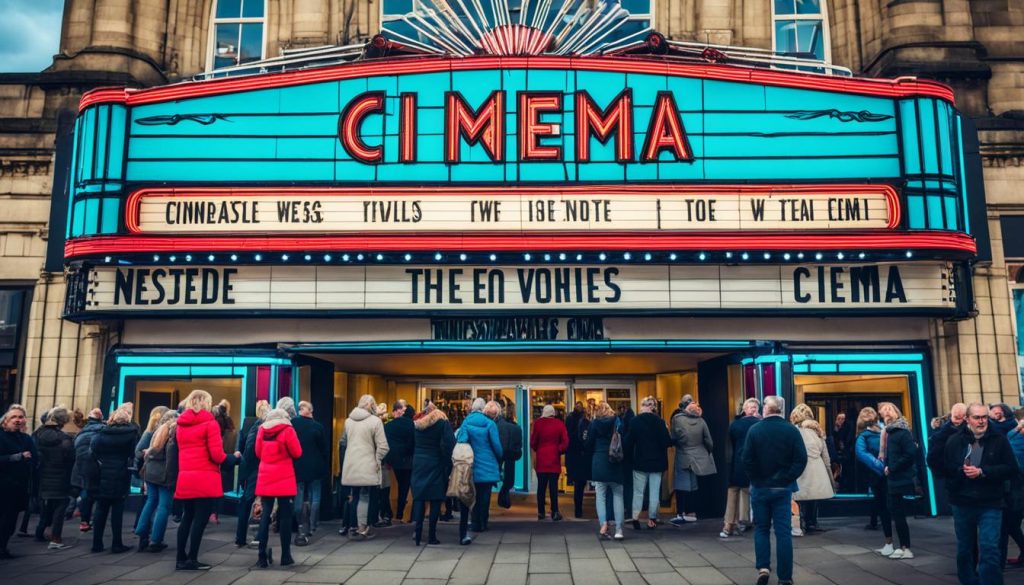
{"points": [[603, 487], [771, 507], [978, 529], [153, 517], [312, 489]]}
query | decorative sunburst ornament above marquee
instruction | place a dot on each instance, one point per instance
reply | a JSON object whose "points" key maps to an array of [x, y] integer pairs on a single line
{"points": [[513, 27]]}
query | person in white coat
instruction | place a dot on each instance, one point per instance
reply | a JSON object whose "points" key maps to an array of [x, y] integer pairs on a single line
{"points": [[816, 481], [365, 447]]}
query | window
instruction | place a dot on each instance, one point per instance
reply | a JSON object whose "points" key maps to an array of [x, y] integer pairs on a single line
{"points": [[801, 29], [237, 33]]}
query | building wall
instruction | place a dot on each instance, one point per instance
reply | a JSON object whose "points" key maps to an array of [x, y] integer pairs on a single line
{"points": [[975, 46]]}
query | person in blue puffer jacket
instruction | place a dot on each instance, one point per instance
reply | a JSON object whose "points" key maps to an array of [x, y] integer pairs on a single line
{"points": [[1014, 512], [869, 440], [481, 433]]}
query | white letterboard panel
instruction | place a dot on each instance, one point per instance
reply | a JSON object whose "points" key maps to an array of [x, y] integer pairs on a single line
{"points": [[627, 209], [611, 288]]}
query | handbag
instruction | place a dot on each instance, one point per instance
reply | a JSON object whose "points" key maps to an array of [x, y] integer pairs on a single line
{"points": [[615, 454]]}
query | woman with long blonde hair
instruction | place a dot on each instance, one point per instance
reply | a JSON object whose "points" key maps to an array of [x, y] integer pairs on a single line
{"points": [[869, 436], [607, 473], [159, 471], [200, 455], [815, 483], [898, 450]]}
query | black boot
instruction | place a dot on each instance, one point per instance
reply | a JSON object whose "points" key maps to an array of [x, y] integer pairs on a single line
{"points": [[143, 543]]}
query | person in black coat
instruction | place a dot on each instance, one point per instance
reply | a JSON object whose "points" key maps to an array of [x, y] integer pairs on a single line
{"points": [[1001, 418], [976, 463], [511, 436], [737, 503], [774, 457], [112, 450], [17, 457], [248, 470], [431, 465], [606, 473], [577, 461], [81, 471], [310, 470], [56, 459], [900, 453], [401, 436], [646, 446]]}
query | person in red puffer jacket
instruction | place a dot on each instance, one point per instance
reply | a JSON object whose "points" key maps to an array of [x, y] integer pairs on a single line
{"points": [[200, 455], [277, 448]]}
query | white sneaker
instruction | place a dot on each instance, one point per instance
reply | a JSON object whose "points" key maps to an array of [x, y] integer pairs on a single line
{"points": [[797, 532], [885, 550], [901, 554], [690, 517], [618, 534], [58, 546]]}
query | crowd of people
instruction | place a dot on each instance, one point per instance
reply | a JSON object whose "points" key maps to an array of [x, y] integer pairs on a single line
{"points": [[277, 463]]}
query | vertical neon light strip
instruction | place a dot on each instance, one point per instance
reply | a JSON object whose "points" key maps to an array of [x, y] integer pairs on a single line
{"points": [[963, 173]]}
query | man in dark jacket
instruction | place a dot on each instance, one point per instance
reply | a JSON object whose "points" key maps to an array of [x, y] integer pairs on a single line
{"points": [[401, 436], [774, 456], [737, 502], [646, 446], [56, 458], [17, 458], [248, 473], [936, 446], [310, 471], [511, 436], [975, 463], [81, 469]]}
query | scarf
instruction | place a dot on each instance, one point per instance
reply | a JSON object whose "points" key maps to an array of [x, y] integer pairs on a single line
{"points": [[900, 423]]}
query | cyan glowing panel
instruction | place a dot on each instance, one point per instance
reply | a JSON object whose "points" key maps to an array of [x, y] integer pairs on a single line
{"points": [[782, 133]]}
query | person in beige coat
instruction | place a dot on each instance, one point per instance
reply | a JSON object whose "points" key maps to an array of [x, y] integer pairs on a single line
{"points": [[816, 481], [365, 447]]}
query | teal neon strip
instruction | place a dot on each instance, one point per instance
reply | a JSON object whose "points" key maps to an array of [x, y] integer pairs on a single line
{"points": [[196, 360], [858, 357], [273, 384], [765, 359], [963, 174]]}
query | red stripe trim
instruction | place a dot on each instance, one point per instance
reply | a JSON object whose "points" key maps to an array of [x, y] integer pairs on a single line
{"points": [[950, 241], [892, 198], [892, 88]]}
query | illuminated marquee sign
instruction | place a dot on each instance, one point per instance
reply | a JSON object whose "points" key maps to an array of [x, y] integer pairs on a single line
{"points": [[486, 125], [607, 288], [578, 209]]}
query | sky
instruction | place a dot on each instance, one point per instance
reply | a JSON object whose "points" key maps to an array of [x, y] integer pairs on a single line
{"points": [[29, 34]]}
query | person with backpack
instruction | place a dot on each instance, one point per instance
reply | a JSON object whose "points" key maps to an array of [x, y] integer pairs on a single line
{"points": [[160, 472], [604, 443]]}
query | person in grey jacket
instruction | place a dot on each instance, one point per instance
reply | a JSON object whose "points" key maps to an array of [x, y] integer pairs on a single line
{"points": [[693, 459]]}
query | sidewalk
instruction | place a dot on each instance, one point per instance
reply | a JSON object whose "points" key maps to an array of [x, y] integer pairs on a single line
{"points": [[513, 552]]}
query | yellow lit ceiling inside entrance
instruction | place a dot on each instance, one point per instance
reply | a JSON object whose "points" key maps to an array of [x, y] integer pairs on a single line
{"points": [[516, 364]]}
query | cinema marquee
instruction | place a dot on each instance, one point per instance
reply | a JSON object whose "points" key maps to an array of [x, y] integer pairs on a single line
{"points": [[555, 221]]}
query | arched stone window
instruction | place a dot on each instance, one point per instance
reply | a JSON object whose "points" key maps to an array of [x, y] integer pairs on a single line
{"points": [[237, 33]]}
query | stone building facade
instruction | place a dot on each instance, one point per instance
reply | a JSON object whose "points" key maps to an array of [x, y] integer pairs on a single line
{"points": [[974, 46]]}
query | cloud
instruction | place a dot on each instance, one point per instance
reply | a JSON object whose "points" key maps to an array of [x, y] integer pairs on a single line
{"points": [[29, 34]]}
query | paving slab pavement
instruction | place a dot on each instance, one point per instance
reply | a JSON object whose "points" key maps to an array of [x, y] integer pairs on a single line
{"points": [[513, 552]]}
